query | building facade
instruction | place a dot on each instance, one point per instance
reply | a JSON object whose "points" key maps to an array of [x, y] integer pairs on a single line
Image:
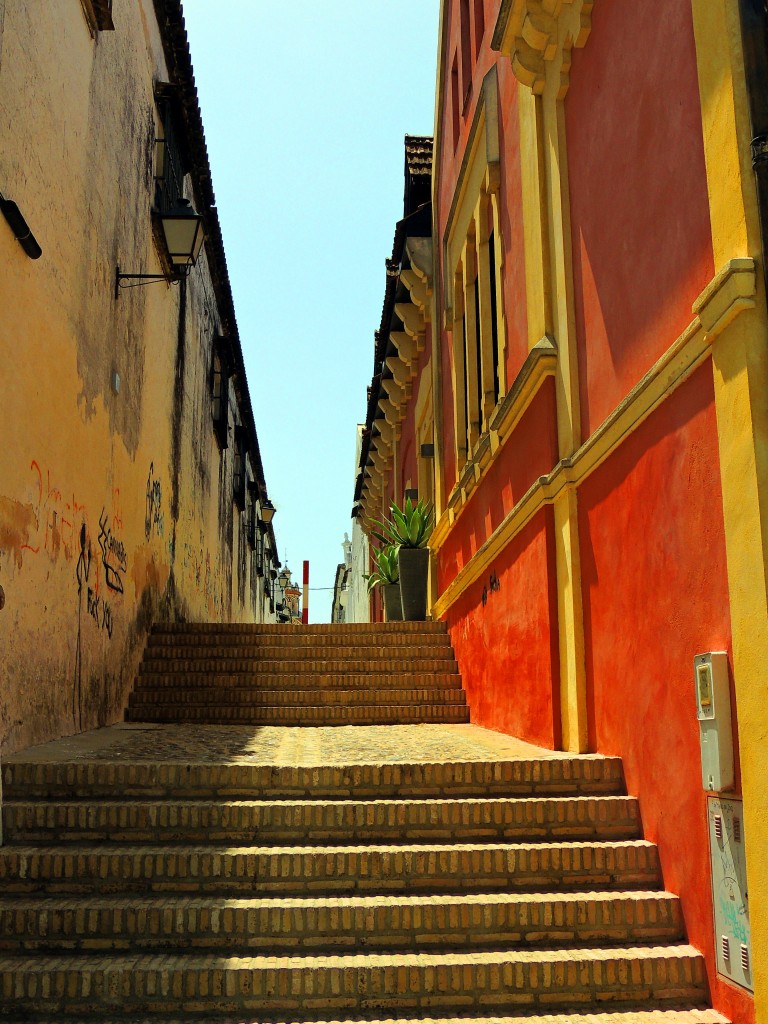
{"points": [[589, 407], [131, 484]]}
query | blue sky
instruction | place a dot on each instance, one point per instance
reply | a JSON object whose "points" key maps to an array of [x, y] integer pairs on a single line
{"points": [[305, 107]]}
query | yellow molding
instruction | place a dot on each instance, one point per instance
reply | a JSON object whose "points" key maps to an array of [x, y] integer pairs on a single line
{"points": [[540, 364], [740, 376], [729, 292]]}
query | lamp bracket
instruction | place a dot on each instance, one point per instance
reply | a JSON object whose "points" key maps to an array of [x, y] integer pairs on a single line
{"points": [[141, 279]]}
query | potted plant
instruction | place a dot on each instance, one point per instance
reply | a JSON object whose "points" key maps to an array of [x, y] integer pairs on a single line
{"points": [[387, 576], [408, 530]]}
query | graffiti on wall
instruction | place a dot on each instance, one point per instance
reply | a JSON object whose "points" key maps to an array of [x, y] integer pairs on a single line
{"points": [[56, 513], [113, 556], [154, 520]]}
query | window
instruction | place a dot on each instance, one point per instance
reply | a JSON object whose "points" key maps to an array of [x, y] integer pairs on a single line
{"points": [[252, 513], [240, 468], [169, 163], [98, 14], [479, 25], [259, 551], [220, 392], [473, 261], [466, 50], [455, 112]]}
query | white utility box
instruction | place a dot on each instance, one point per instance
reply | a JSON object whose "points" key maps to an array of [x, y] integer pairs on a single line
{"points": [[713, 710]]}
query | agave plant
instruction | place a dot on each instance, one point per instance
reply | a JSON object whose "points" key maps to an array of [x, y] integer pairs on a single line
{"points": [[409, 526], [387, 570]]}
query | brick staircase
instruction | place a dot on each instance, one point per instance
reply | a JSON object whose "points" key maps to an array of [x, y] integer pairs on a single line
{"points": [[363, 674], [168, 878]]}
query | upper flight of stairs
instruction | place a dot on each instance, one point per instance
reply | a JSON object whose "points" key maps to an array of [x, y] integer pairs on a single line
{"points": [[363, 674], [196, 875]]}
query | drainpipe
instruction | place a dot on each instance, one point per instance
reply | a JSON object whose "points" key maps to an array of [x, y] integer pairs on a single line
{"points": [[754, 33]]}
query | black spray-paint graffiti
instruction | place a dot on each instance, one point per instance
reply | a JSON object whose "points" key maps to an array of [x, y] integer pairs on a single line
{"points": [[113, 556], [101, 612], [154, 520], [83, 570], [494, 585]]}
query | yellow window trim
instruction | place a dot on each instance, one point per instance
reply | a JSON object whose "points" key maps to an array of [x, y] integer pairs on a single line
{"points": [[729, 293]]}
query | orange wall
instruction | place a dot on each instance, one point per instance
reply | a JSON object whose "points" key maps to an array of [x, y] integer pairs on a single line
{"points": [[655, 595], [639, 208], [530, 453], [506, 647]]}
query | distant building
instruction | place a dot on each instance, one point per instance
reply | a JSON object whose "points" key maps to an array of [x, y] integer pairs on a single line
{"points": [[341, 584]]}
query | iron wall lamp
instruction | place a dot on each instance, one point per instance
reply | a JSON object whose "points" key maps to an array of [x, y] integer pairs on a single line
{"points": [[20, 228], [267, 511], [183, 234]]}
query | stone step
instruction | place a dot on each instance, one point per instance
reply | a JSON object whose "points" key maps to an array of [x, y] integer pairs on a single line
{"points": [[298, 639], [557, 775], [372, 923], [319, 629], [192, 679], [237, 661], [222, 714], [624, 1015], [253, 696], [326, 985], [289, 821], [330, 870]]}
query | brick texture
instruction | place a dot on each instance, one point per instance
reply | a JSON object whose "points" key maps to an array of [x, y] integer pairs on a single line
{"points": [[187, 873]]}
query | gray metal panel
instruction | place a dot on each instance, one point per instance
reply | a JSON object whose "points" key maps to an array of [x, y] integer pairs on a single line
{"points": [[729, 890]]}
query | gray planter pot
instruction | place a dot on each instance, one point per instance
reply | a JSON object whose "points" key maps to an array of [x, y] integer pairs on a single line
{"points": [[393, 610], [414, 570]]}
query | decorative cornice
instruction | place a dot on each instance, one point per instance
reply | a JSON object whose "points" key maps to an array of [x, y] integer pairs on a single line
{"points": [[528, 32]]}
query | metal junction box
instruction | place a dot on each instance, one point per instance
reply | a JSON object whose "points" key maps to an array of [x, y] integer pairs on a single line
{"points": [[729, 890]]}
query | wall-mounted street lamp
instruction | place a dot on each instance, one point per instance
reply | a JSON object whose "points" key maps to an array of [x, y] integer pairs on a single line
{"points": [[183, 234], [20, 228], [267, 511]]}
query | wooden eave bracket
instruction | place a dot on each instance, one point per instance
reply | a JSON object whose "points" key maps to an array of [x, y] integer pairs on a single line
{"points": [[405, 345], [413, 321], [419, 252], [401, 372]]}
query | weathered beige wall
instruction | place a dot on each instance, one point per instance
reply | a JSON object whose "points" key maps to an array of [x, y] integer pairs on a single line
{"points": [[115, 508]]}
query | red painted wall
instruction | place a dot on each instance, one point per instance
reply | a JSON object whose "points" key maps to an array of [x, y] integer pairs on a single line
{"points": [[531, 452], [655, 595], [639, 207], [507, 647]]}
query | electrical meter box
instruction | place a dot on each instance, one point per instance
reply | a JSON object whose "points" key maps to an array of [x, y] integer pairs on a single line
{"points": [[713, 710], [733, 949]]}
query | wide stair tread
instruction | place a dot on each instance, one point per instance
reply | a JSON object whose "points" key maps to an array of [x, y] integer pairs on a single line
{"points": [[530, 978], [372, 923], [323, 820], [371, 868], [615, 1016]]}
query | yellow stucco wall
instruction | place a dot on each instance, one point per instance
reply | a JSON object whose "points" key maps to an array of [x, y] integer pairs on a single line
{"points": [[115, 508], [740, 360]]}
